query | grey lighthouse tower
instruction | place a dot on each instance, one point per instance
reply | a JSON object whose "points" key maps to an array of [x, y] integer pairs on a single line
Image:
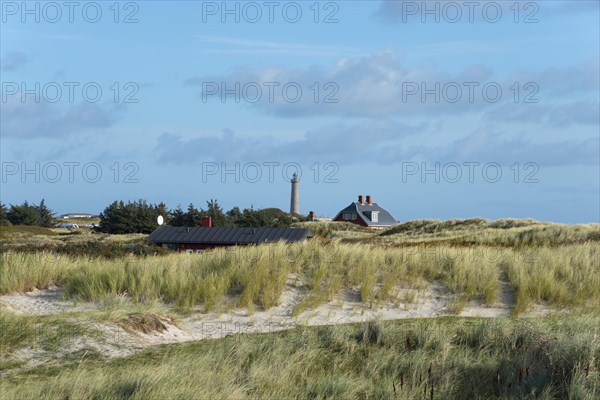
{"points": [[295, 200]]}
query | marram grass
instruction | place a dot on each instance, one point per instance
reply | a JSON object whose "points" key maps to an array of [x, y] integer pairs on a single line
{"points": [[562, 276], [446, 358]]}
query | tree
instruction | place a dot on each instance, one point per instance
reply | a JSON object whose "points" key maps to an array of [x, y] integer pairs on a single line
{"points": [[114, 219], [234, 215], [133, 217], [24, 214], [216, 213], [162, 209], [177, 216], [268, 217], [45, 215], [140, 216], [193, 216], [27, 214], [4, 215]]}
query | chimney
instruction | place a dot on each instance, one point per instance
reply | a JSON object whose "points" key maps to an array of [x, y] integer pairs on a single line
{"points": [[369, 200], [311, 215], [207, 222], [360, 199]]}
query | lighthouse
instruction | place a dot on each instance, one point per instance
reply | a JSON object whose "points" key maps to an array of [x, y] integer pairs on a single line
{"points": [[295, 198]]}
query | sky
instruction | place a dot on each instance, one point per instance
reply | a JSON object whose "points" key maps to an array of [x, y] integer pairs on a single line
{"points": [[436, 109]]}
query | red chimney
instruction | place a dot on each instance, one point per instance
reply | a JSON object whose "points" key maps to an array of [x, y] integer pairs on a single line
{"points": [[206, 222], [360, 199], [311, 215], [369, 200]]}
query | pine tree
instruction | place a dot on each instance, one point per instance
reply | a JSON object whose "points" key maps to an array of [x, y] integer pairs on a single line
{"points": [[234, 215], [25, 214], [114, 218], [134, 217], [177, 216], [45, 215], [193, 217], [161, 209], [4, 215], [216, 213]]}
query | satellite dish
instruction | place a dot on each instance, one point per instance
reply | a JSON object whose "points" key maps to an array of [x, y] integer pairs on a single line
{"points": [[160, 220]]}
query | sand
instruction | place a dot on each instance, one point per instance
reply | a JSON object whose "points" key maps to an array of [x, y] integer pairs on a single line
{"points": [[114, 341]]}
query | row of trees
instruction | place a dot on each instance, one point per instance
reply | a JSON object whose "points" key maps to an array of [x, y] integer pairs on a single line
{"points": [[140, 216], [27, 214], [131, 217]]}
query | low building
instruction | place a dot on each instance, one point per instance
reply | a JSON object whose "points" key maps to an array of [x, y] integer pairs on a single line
{"points": [[196, 239], [78, 216], [67, 226], [366, 213]]}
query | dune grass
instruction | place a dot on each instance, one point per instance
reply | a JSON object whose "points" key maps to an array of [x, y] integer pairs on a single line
{"points": [[562, 276], [547, 358], [6, 232], [513, 233], [46, 332], [567, 277], [550, 358], [34, 239]]}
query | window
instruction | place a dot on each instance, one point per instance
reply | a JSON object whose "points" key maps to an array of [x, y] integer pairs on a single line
{"points": [[375, 216], [349, 216]]}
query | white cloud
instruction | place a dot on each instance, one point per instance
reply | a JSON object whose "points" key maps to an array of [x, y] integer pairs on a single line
{"points": [[382, 85]]}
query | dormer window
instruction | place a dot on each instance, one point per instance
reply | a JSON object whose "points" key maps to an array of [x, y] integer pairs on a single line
{"points": [[375, 216]]}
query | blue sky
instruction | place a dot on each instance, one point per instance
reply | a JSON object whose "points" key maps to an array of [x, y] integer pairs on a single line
{"points": [[438, 109]]}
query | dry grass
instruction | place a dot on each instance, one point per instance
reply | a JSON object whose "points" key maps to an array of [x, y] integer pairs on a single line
{"points": [[550, 358], [565, 276], [145, 322], [476, 231], [441, 358], [32, 236]]}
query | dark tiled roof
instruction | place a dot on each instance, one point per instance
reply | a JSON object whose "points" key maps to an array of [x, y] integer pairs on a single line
{"points": [[364, 212], [224, 235]]}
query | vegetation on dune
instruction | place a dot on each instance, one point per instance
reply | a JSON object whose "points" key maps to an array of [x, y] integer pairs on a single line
{"points": [[54, 336], [43, 332], [478, 231], [77, 244], [442, 358], [565, 277], [431, 226], [10, 233], [136, 288], [562, 271], [26, 214], [336, 230]]}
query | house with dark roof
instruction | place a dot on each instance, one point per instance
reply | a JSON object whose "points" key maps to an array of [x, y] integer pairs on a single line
{"points": [[196, 239], [366, 213]]}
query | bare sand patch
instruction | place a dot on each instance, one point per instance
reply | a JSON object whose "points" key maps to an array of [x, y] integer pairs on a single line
{"points": [[43, 302]]}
